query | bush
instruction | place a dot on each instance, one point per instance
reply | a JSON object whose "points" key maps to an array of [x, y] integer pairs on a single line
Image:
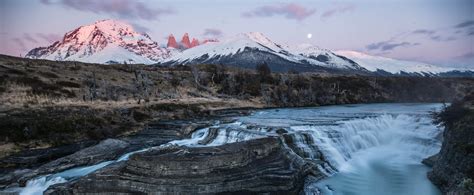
{"points": [[450, 114], [68, 84], [49, 75], [264, 72]]}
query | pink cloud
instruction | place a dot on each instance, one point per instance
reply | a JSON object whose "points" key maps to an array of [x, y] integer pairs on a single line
{"points": [[49, 37], [212, 32], [338, 9], [19, 46], [121, 8], [290, 11], [28, 37]]}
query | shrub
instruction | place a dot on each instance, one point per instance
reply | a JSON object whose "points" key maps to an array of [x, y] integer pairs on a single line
{"points": [[450, 114], [49, 75], [264, 72], [68, 84]]}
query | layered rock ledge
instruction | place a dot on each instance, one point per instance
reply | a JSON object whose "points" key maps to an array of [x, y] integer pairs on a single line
{"points": [[254, 166]]}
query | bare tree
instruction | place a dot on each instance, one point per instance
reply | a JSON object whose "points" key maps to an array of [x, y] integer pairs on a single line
{"points": [[142, 85], [92, 87], [110, 91], [195, 72]]}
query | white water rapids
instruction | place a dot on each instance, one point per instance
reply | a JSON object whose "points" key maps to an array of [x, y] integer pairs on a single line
{"points": [[368, 148]]}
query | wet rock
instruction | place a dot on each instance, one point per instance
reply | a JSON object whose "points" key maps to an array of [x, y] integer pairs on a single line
{"points": [[254, 166], [7, 180], [106, 150], [15, 166], [281, 131], [189, 129], [36, 157], [161, 132], [430, 161], [211, 135]]}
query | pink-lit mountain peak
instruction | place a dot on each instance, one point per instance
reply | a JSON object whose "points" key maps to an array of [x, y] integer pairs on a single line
{"points": [[111, 30], [185, 41], [172, 42], [102, 42], [195, 42]]}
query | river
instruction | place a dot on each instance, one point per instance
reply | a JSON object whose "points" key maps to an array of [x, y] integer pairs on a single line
{"points": [[367, 148]]}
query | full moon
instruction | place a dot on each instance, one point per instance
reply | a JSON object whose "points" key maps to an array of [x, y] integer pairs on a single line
{"points": [[309, 35]]}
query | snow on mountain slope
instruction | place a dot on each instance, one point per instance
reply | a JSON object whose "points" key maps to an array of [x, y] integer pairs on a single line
{"points": [[374, 63], [227, 47], [104, 41], [318, 55], [254, 47]]}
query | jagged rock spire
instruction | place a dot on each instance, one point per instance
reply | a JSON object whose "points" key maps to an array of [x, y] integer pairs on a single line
{"points": [[172, 42], [185, 41]]}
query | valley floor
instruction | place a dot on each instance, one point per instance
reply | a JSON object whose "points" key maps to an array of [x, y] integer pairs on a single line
{"points": [[51, 109]]}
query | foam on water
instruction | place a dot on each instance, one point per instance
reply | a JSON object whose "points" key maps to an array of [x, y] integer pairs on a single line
{"points": [[367, 149], [40, 184]]}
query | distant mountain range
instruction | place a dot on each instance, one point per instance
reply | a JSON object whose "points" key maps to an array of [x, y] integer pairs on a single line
{"points": [[249, 49], [112, 41], [393, 66]]}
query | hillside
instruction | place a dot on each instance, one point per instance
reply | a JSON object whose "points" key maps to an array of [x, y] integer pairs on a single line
{"points": [[52, 103]]}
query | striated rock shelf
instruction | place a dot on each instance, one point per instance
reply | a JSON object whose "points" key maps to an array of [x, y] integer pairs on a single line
{"points": [[105, 150], [155, 133], [260, 165]]}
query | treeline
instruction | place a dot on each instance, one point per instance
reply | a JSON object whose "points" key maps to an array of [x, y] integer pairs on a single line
{"points": [[75, 81], [308, 89]]}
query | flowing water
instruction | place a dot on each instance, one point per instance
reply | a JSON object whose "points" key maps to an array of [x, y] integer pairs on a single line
{"points": [[364, 149]]}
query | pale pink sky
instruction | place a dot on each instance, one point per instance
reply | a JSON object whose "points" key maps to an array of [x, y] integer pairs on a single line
{"points": [[434, 31]]}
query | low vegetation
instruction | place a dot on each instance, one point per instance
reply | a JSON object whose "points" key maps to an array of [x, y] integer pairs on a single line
{"points": [[48, 103]]}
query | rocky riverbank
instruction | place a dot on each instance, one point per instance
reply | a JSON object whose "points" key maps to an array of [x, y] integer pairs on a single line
{"points": [[453, 167], [153, 134], [255, 166]]}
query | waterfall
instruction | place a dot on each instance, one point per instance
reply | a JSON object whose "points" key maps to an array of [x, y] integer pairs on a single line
{"points": [[361, 152], [340, 142], [346, 143]]}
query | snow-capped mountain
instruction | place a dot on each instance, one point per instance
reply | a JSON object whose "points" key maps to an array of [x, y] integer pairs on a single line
{"points": [[105, 41], [326, 56], [111, 41], [250, 49], [394, 66]]}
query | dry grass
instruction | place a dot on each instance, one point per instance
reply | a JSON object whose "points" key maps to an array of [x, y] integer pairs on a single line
{"points": [[91, 101], [21, 83]]}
